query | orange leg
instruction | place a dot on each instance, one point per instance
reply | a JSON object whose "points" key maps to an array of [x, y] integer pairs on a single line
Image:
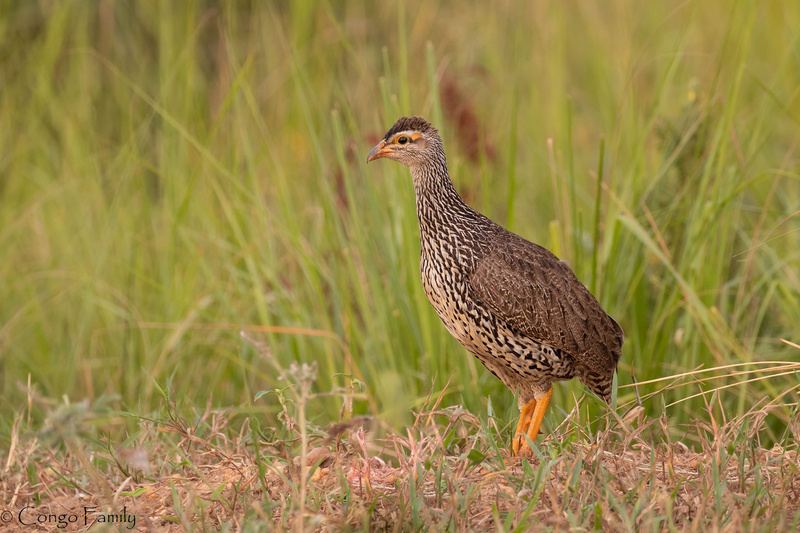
{"points": [[539, 407], [524, 421]]}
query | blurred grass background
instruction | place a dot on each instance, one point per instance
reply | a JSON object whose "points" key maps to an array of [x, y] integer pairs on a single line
{"points": [[172, 172]]}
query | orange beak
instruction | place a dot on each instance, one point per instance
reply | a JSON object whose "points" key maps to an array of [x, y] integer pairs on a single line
{"points": [[380, 150]]}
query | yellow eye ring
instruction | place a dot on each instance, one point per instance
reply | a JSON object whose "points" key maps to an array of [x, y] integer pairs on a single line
{"points": [[402, 139]]}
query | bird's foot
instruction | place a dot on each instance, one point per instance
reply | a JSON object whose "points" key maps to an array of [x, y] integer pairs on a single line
{"points": [[530, 420]]}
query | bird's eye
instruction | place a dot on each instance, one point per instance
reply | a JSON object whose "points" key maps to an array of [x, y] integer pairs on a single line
{"points": [[402, 139]]}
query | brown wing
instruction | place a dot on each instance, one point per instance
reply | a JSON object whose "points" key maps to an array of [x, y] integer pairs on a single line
{"points": [[537, 295]]}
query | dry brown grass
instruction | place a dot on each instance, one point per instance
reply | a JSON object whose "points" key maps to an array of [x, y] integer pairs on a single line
{"points": [[446, 472]]}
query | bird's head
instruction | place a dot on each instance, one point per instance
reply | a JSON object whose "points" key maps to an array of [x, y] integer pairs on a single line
{"points": [[412, 141]]}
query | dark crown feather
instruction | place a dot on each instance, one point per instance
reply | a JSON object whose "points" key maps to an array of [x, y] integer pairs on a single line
{"points": [[414, 123]]}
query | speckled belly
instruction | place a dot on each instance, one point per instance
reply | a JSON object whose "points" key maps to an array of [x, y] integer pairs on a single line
{"points": [[519, 362]]}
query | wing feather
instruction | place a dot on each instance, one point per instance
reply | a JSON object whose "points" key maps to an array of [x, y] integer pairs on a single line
{"points": [[535, 294]]}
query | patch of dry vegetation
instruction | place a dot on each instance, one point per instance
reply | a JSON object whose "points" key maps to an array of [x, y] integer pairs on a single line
{"points": [[451, 470]]}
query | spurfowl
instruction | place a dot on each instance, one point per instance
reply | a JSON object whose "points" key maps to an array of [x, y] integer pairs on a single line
{"points": [[511, 303]]}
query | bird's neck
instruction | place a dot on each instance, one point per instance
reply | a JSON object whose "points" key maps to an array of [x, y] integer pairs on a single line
{"points": [[435, 187], [440, 209]]}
